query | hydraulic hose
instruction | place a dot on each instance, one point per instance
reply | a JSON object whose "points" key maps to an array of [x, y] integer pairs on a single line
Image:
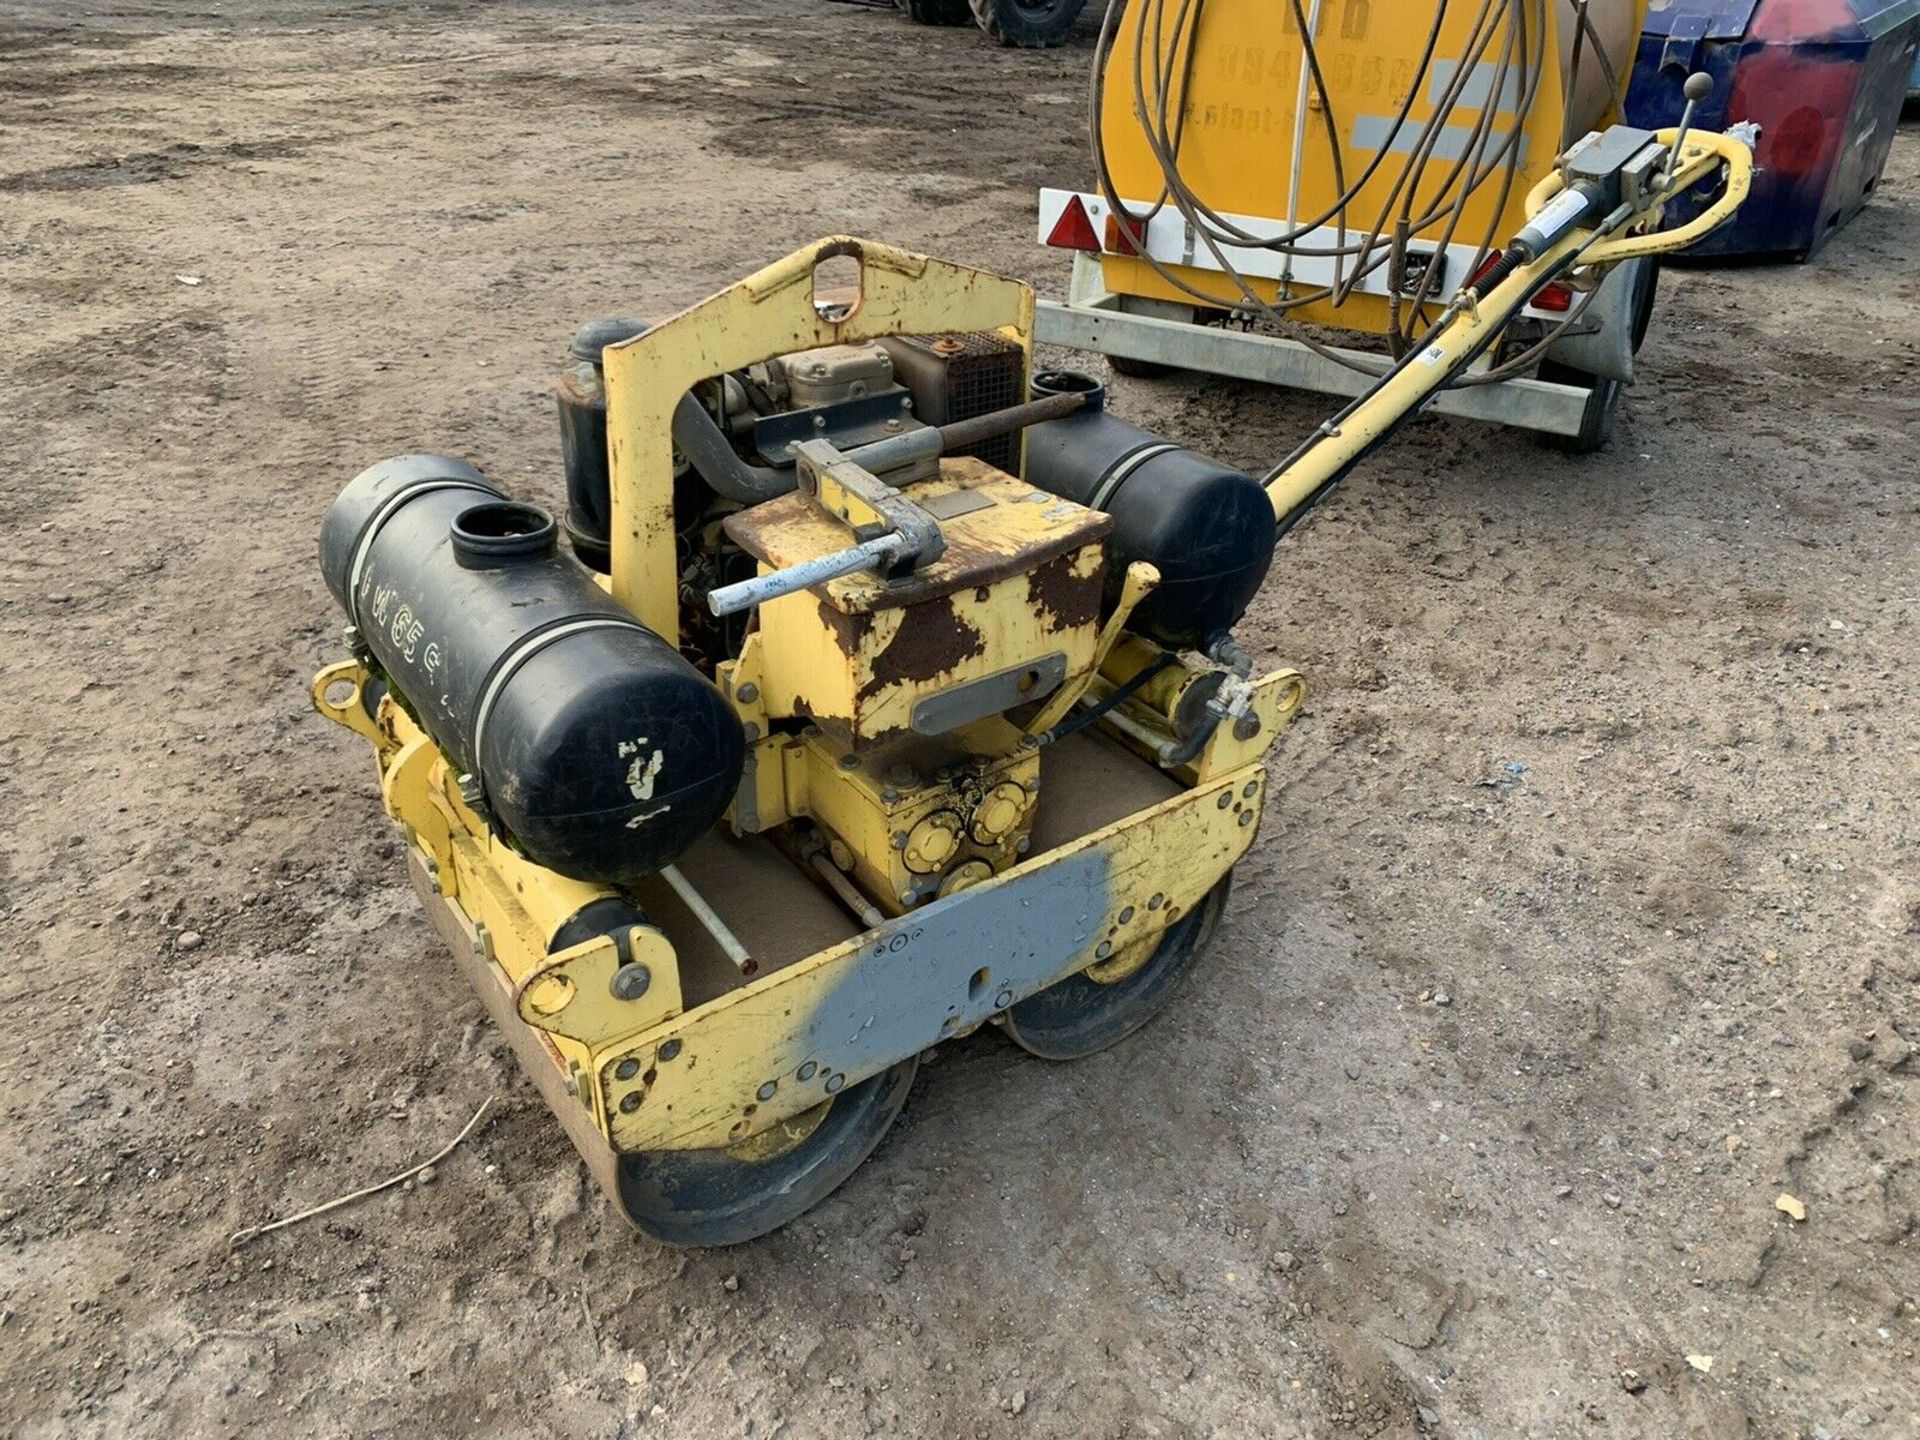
{"points": [[713, 456], [1511, 34]]}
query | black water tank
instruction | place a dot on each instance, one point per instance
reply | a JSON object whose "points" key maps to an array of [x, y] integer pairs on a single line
{"points": [[1208, 529], [596, 748]]}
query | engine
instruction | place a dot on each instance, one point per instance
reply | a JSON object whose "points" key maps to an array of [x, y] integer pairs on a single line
{"points": [[1207, 527], [877, 722]]}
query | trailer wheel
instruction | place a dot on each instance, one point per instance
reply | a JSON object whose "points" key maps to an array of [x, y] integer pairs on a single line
{"points": [[936, 12], [1159, 310], [1647, 283], [1139, 369], [1027, 24], [1596, 416]]}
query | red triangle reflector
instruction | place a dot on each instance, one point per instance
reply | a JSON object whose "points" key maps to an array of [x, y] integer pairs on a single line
{"points": [[1074, 229]]}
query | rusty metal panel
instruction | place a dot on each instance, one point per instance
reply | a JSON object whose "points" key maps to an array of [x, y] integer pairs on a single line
{"points": [[1019, 585]]}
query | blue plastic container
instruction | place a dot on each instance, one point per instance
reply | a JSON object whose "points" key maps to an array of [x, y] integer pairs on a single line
{"points": [[1823, 79]]}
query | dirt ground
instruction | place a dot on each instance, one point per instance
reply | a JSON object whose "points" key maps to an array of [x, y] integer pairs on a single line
{"points": [[1584, 922]]}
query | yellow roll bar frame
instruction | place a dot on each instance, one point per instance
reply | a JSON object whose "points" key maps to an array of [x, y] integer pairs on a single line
{"points": [[775, 311]]}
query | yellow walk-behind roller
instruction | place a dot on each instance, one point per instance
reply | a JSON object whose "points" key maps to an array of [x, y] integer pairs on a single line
{"points": [[890, 690]]}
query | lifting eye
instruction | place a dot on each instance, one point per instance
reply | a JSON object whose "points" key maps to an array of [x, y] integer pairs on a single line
{"points": [[836, 286]]}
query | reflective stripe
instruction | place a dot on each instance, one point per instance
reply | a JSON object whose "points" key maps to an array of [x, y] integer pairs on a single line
{"points": [[388, 508], [1114, 477], [1378, 132], [509, 664], [1478, 86]]}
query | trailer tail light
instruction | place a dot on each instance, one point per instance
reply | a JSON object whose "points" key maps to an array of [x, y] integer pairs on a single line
{"points": [[1126, 237], [1555, 297], [1074, 229]]}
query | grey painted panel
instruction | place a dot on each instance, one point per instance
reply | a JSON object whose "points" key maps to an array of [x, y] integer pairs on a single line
{"points": [[916, 983]]}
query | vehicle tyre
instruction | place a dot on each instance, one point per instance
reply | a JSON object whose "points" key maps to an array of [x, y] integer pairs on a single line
{"points": [[1596, 417], [1646, 286], [1027, 24], [936, 12], [1139, 369]]}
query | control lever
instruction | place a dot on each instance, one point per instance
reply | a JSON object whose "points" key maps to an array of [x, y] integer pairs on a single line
{"points": [[957, 435], [881, 554], [895, 534], [1698, 87]]}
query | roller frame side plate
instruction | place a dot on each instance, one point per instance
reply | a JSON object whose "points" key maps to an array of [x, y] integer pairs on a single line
{"points": [[852, 1010], [535, 1052], [857, 1008]]}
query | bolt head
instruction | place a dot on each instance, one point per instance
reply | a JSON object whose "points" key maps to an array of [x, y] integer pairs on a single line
{"points": [[748, 693], [631, 981]]}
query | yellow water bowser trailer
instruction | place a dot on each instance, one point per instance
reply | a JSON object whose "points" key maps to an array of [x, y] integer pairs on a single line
{"points": [[1269, 174], [890, 690]]}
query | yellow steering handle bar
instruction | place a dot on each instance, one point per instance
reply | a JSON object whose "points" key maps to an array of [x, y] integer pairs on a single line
{"points": [[1703, 152], [1472, 327]]}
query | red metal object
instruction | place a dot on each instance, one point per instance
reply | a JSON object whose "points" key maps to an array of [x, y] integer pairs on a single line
{"points": [[1074, 229], [1824, 81]]}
